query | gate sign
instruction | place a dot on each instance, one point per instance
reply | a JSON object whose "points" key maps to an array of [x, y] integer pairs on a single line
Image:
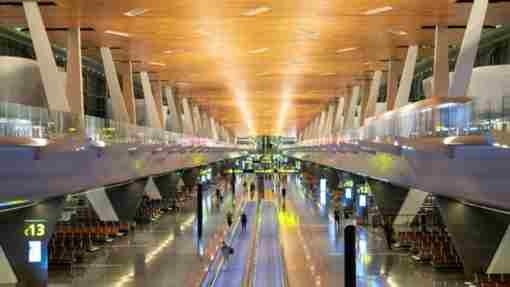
{"points": [[35, 229]]}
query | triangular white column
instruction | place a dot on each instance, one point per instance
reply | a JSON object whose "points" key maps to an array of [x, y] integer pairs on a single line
{"points": [[469, 49], [74, 76], [441, 77], [406, 81], [175, 118], [188, 119], [374, 94], [349, 118], [119, 112], [151, 108], [53, 82]]}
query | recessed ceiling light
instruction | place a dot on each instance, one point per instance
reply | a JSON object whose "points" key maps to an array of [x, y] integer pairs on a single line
{"points": [[203, 32], [378, 10], [157, 64], [263, 74], [398, 32], [117, 33], [136, 12], [256, 11], [176, 51], [259, 51], [328, 74], [346, 50]]}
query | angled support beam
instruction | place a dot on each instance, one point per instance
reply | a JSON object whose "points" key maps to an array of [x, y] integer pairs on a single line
{"points": [[74, 77], [339, 116], [152, 114], [406, 81], [119, 112], [374, 94], [197, 121], [441, 77], [175, 118], [391, 87], [158, 100], [353, 105], [128, 91], [53, 81], [187, 118], [469, 49]]}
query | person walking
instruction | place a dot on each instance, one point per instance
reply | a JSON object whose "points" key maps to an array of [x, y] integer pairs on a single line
{"points": [[229, 219], [226, 251], [244, 222], [336, 215]]}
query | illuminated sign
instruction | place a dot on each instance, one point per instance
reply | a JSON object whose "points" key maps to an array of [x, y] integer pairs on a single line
{"points": [[34, 251], [349, 183], [35, 229]]}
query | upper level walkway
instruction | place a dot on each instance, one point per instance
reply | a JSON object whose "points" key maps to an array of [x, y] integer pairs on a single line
{"points": [[47, 153], [447, 146]]}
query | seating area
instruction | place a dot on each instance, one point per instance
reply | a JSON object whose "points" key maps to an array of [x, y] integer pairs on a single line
{"points": [[492, 280], [433, 247], [71, 241]]}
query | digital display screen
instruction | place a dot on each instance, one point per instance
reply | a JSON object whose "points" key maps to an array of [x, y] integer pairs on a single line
{"points": [[34, 251], [362, 200], [348, 193]]}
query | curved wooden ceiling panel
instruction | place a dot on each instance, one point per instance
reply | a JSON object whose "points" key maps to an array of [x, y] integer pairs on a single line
{"points": [[255, 54]]}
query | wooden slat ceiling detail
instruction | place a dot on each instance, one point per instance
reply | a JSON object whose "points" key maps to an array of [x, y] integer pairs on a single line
{"points": [[211, 43]]}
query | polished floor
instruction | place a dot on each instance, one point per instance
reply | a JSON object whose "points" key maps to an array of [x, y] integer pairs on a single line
{"points": [[314, 252], [164, 253], [298, 244]]}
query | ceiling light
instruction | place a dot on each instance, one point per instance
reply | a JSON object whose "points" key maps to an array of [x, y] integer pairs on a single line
{"points": [[136, 12], [203, 32], [398, 32], [259, 51], [176, 51], [378, 10], [256, 11], [263, 74], [157, 64], [117, 33], [346, 50], [328, 74]]}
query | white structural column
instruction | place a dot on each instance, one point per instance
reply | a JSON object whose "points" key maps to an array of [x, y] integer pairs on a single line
{"points": [[339, 116], [406, 81], [53, 82], [119, 112], [175, 118], [151, 109], [214, 133], [353, 105], [128, 90], [187, 124], [374, 94], [441, 77], [392, 83], [74, 76], [158, 99], [322, 122], [332, 110], [197, 121], [469, 49]]}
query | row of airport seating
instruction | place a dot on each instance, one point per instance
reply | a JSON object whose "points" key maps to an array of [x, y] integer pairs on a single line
{"points": [[435, 247], [71, 241], [492, 280]]}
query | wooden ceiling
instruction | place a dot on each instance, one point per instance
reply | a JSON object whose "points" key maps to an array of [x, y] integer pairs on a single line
{"points": [[212, 46]]}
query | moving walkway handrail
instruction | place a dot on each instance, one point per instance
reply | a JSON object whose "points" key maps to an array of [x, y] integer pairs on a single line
{"points": [[284, 275], [250, 263], [218, 255]]}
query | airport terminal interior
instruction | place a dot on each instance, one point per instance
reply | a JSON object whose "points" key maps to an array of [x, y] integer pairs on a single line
{"points": [[254, 143]]}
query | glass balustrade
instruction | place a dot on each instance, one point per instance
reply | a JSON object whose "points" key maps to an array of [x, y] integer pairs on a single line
{"points": [[429, 118], [18, 120]]}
